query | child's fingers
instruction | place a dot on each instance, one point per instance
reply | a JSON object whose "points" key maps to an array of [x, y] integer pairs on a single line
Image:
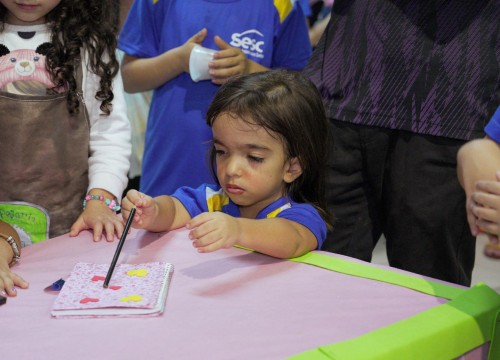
{"points": [[7, 284], [11, 291], [208, 248], [137, 217], [20, 282], [132, 197], [127, 203], [202, 231], [143, 201], [132, 193], [487, 200], [224, 63], [493, 238], [141, 214], [109, 230], [78, 226], [199, 36], [98, 228], [135, 199], [208, 243], [492, 187], [492, 250], [486, 214], [471, 219], [198, 220], [221, 43], [488, 227], [485, 207], [483, 212]]}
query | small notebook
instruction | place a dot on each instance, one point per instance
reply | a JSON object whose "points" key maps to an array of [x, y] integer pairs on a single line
{"points": [[134, 290]]}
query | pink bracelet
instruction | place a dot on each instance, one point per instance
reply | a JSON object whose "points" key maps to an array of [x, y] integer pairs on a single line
{"points": [[110, 203]]}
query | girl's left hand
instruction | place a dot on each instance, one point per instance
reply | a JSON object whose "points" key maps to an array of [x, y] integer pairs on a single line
{"points": [[99, 217], [228, 61], [212, 231]]}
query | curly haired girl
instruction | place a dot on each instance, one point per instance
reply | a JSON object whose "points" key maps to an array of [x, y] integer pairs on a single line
{"points": [[63, 126]]}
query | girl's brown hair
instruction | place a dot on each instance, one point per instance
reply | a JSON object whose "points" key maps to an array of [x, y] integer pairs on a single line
{"points": [[289, 107]]}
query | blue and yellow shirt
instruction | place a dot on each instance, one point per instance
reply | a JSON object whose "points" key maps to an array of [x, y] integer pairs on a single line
{"points": [[210, 198], [493, 127]]}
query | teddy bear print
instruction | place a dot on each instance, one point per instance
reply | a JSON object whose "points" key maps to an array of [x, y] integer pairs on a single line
{"points": [[23, 71]]}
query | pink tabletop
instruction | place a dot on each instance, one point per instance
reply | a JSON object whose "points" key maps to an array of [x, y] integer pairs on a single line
{"points": [[230, 304]]}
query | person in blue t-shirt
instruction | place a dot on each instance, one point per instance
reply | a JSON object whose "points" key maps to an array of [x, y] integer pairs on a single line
{"points": [[479, 174], [157, 38], [268, 153]]}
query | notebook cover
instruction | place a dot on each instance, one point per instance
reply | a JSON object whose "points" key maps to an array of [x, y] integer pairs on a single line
{"points": [[134, 290]]}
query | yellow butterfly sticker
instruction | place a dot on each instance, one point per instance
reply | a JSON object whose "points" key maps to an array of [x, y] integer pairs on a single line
{"points": [[138, 272], [134, 298]]}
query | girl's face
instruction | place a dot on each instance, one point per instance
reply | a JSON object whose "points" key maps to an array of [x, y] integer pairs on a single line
{"points": [[28, 12], [251, 165]]}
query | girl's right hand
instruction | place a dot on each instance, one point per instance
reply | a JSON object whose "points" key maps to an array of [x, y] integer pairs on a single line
{"points": [[146, 211]]}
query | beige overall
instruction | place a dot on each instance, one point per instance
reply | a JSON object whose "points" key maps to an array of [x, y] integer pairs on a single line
{"points": [[44, 155]]}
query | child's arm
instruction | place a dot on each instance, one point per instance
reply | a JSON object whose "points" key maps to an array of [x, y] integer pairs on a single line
{"points": [[110, 150], [8, 279], [476, 160], [157, 214], [276, 237], [318, 29], [142, 74], [230, 61]]}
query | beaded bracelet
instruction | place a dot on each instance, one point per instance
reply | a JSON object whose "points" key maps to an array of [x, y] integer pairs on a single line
{"points": [[110, 203], [15, 248]]}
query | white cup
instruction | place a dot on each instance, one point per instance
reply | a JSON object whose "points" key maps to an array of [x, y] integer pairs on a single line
{"points": [[198, 62]]}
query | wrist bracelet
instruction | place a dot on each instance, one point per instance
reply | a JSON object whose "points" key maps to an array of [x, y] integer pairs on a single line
{"points": [[13, 245], [109, 203]]}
